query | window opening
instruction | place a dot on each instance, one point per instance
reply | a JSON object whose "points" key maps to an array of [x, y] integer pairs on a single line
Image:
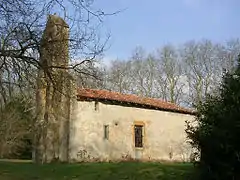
{"points": [[106, 132], [138, 131]]}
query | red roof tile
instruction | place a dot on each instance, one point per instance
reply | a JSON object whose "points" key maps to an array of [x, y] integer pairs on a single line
{"points": [[129, 98]]}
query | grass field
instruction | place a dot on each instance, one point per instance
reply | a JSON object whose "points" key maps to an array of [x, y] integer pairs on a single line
{"points": [[94, 171]]}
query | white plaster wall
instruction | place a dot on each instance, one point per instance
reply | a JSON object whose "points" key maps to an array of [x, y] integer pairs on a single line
{"points": [[164, 133]]}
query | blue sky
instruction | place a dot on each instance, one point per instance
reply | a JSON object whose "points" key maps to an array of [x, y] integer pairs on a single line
{"points": [[153, 23]]}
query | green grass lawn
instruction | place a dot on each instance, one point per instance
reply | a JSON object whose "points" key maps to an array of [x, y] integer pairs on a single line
{"points": [[95, 171]]}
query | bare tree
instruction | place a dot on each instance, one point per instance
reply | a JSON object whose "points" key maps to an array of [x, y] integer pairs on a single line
{"points": [[227, 53], [118, 76], [170, 76], [204, 63], [93, 75], [150, 69], [183, 76], [21, 27], [141, 73], [24, 54]]}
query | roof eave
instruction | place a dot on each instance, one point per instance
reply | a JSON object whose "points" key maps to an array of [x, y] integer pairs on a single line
{"points": [[127, 102]]}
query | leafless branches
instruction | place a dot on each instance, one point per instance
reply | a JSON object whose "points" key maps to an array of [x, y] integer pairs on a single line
{"points": [[183, 75], [21, 28], [23, 57]]}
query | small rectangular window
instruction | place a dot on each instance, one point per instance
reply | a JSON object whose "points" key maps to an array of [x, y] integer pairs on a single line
{"points": [[96, 105], [138, 132], [106, 132]]}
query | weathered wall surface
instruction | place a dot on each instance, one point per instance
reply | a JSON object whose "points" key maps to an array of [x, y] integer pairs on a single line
{"points": [[164, 137], [53, 94]]}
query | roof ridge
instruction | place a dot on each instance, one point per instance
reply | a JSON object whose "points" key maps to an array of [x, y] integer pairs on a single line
{"points": [[130, 98], [142, 97]]}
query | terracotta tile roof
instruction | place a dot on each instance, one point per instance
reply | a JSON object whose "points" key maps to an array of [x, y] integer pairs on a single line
{"points": [[132, 99]]}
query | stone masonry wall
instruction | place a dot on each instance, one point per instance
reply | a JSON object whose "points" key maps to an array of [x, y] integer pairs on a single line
{"points": [[164, 135]]}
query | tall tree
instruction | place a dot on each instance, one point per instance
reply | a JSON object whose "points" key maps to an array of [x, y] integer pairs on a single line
{"points": [[24, 53], [118, 76], [21, 27], [140, 72], [170, 74], [201, 68], [182, 75]]}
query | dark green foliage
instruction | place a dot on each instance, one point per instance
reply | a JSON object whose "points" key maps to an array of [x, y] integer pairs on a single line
{"points": [[217, 136]]}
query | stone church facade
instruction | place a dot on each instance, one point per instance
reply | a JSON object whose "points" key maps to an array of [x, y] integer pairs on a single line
{"points": [[98, 124], [109, 126]]}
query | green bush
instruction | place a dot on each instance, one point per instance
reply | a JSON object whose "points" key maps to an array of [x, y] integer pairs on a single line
{"points": [[217, 135]]}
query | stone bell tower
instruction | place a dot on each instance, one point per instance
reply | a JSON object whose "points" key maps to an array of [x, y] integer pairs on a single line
{"points": [[53, 97]]}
